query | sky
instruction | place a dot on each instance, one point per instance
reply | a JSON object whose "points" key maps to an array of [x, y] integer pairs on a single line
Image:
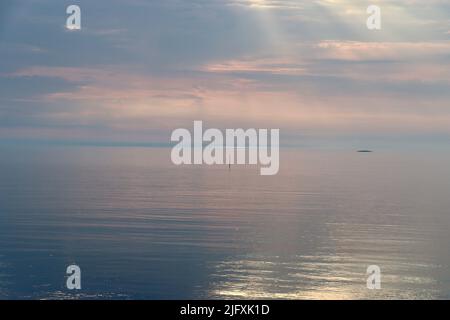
{"points": [[137, 70]]}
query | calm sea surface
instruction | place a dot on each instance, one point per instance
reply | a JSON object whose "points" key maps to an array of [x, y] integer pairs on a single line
{"points": [[142, 228]]}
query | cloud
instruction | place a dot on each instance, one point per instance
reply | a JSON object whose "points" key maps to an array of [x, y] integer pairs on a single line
{"points": [[305, 66], [358, 50], [258, 65]]}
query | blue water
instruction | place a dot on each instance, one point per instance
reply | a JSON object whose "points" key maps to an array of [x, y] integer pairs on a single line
{"points": [[142, 228]]}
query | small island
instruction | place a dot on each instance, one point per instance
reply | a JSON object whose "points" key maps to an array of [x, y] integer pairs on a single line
{"points": [[365, 151]]}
